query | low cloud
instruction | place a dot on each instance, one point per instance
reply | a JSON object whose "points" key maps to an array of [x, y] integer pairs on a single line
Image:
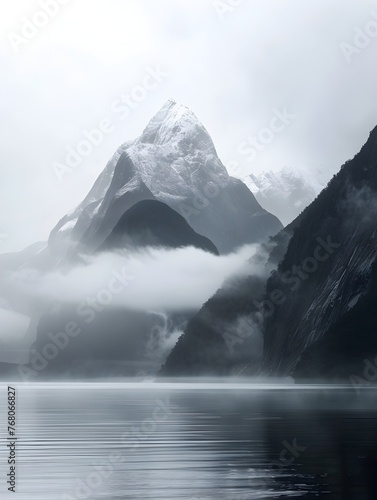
{"points": [[13, 326], [150, 280]]}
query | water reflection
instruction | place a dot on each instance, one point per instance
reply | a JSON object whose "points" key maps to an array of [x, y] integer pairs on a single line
{"points": [[180, 442]]}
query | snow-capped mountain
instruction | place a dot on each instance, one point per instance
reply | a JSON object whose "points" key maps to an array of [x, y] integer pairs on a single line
{"points": [[167, 188], [286, 192], [173, 161]]}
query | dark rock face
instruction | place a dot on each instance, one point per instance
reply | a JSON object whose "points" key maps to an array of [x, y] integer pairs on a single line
{"points": [[152, 223], [225, 337], [348, 350], [113, 206], [318, 307], [325, 322]]}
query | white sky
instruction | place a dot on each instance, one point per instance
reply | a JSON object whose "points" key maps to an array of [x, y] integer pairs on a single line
{"points": [[231, 71]]}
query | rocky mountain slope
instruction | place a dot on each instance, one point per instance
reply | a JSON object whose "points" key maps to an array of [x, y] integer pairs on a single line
{"points": [[326, 276], [150, 223], [174, 161], [316, 311]]}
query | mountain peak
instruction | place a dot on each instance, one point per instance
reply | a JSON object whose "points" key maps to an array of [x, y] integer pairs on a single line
{"points": [[173, 110], [175, 162], [172, 121]]}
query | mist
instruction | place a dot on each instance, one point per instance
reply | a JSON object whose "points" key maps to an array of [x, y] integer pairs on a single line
{"points": [[151, 279]]}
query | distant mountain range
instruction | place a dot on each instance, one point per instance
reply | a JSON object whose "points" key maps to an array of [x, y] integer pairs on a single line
{"points": [[286, 192]]}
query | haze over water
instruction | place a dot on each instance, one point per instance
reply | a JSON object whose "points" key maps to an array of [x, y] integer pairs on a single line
{"points": [[192, 441]]}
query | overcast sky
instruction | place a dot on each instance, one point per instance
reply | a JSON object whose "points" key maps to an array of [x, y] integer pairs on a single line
{"points": [[235, 67]]}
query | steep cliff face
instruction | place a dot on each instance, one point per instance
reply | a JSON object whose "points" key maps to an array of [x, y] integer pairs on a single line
{"points": [[325, 277], [174, 161], [225, 337], [348, 349], [315, 297]]}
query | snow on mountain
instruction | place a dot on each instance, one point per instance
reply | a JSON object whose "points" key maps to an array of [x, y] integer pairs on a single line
{"points": [[286, 192], [173, 161]]}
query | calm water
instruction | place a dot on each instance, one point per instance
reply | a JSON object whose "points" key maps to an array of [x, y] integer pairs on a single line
{"points": [[146, 441]]}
